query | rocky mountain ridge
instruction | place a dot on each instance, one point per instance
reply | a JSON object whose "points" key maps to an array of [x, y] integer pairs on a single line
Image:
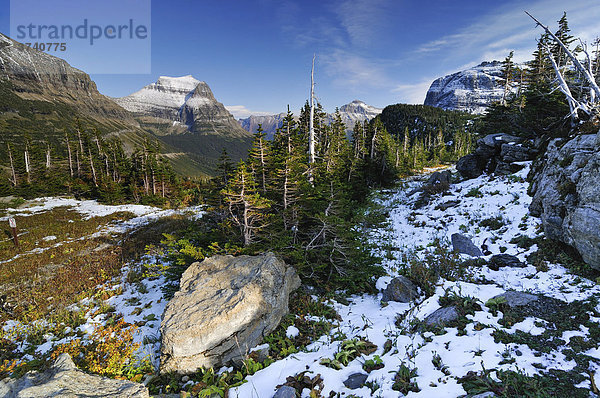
{"points": [[355, 111], [471, 90], [183, 100]]}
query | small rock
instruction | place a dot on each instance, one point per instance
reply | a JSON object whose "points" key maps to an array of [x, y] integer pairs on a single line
{"points": [[442, 317], [504, 260], [355, 380], [285, 392], [185, 379], [464, 245], [471, 165], [488, 394], [518, 299], [400, 289], [447, 205]]}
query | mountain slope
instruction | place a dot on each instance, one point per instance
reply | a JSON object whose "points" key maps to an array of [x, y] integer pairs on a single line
{"points": [[185, 114], [471, 90], [42, 96]]}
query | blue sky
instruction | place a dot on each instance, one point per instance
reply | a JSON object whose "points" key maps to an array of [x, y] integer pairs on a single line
{"points": [[256, 55]]}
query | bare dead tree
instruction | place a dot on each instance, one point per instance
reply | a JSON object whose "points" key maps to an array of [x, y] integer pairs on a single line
{"points": [[584, 71], [92, 168], [69, 154], [13, 179], [27, 163], [311, 128], [48, 156]]}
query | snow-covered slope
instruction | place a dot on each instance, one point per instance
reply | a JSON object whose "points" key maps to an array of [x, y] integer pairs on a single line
{"points": [[356, 111], [471, 90], [183, 100]]}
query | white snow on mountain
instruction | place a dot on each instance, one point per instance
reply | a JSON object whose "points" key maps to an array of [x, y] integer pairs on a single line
{"points": [[471, 90]]}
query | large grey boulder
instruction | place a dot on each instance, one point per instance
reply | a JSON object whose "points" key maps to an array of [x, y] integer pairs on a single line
{"points": [[63, 379], [566, 194], [224, 307], [400, 289], [464, 245]]}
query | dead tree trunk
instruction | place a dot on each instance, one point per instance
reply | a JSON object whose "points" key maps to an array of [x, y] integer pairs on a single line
{"points": [[12, 167], [588, 76], [92, 167], [311, 123], [27, 163], [48, 157], [69, 154]]}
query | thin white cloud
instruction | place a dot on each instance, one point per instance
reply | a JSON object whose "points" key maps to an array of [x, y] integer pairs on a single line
{"points": [[363, 19], [508, 27], [352, 70], [241, 112], [413, 93]]}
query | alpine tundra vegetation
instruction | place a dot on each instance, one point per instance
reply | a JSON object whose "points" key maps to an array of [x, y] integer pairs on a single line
{"points": [[163, 248]]}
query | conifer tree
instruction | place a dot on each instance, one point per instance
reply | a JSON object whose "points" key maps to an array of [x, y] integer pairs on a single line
{"points": [[247, 209]]}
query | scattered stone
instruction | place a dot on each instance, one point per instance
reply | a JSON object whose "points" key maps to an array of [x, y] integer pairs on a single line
{"points": [[355, 380], [223, 308], [442, 317], [447, 205], [400, 289], [464, 245], [518, 299], [505, 260], [285, 392], [63, 379]]}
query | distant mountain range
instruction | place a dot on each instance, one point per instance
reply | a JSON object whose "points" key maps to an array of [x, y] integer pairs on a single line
{"points": [[356, 111], [471, 90]]}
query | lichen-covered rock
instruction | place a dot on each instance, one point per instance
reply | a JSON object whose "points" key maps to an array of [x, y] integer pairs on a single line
{"points": [[63, 379], [400, 289], [224, 307], [566, 194]]}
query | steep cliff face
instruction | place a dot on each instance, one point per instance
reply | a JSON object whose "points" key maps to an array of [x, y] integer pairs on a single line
{"points": [[269, 123], [186, 115], [471, 90], [565, 194], [35, 75], [186, 101]]}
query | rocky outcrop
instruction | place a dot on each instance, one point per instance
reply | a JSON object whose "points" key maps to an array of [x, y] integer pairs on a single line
{"points": [[495, 153], [63, 379], [566, 195], [224, 307], [471, 90]]}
